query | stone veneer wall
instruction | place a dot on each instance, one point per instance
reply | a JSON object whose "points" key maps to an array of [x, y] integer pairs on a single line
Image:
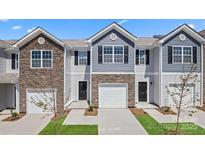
{"points": [[41, 78], [113, 78]]}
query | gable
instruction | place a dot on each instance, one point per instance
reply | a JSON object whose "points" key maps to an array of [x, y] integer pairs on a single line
{"points": [[120, 37], [175, 40], [35, 33]]}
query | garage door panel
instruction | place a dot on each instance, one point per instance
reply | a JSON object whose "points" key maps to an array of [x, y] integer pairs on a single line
{"points": [[39, 96], [113, 96]]}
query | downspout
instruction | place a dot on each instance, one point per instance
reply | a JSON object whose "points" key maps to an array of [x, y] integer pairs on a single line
{"points": [[202, 71]]}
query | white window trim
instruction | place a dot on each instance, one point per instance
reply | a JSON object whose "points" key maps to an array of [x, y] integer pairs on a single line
{"points": [[86, 57], [41, 67], [113, 53], [144, 56], [182, 47]]}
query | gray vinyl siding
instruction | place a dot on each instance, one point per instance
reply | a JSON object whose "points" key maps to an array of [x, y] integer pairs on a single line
{"points": [[7, 97], [113, 67], [175, 41], [2, 62]]}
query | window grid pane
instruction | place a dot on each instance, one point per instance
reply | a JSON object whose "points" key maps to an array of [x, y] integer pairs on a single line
{"points": [[118, 54], [82, 55], [177, 54], [142, 57], [41, 59], [108, 54], [187, 54]]}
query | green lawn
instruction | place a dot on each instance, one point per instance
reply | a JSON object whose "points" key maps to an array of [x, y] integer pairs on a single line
{"points": [[154, 128], [56, 128]]}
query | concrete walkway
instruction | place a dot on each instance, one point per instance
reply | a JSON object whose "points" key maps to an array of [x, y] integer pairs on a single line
{"points": [[118, 122], [109, 121], [76, 117], [30, 124], [198, 117]]}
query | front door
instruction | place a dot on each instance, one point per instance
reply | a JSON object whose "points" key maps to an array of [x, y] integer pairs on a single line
{"points": [[82, 90], [142, 91]]}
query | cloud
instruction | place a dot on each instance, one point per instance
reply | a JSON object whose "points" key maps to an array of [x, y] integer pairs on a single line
{"points": [[122, 22], [31, 29], [16, 27], [4, 20], [191, 25]]}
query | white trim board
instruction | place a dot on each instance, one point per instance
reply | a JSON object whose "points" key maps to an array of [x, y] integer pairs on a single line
{"points": [[112, 26], [187, 29], [33, 34]]}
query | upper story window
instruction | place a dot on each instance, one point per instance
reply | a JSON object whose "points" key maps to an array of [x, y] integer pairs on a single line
{"points": [[142, 57], [182, 54], [82, 57], [14, 61], [41, 59], [113, 54]]}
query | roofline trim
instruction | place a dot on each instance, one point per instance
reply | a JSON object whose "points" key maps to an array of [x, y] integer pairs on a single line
{"points": [[27, 36], [109, 27]]}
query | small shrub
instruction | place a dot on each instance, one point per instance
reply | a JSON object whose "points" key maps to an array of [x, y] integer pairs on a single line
{"points": [[14, 114], [165, 108], [90, 108]]}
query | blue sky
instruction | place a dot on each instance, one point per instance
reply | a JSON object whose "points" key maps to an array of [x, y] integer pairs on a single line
{"points": [[77, 29]]}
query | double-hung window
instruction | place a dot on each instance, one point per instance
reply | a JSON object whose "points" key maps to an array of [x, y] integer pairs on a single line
{"points": [[41, 59], [118, 54], [108, 54], [82, 57], [142, 57], [113, 54], [182, 54]]}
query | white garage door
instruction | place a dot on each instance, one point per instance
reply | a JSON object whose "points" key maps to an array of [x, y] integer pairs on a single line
{"points": [[113, 95], [36, 97], [187, 100]]}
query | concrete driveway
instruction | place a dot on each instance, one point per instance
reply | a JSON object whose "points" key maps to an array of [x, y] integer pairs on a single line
{"points": [[30, 124], [118, 122]]}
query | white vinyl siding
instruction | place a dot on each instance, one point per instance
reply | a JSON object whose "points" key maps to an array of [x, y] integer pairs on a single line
{"points": [[182, 54], [41, 59]]}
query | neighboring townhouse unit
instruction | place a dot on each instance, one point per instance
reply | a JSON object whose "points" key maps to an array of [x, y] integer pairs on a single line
{"points": [[111, 69]]}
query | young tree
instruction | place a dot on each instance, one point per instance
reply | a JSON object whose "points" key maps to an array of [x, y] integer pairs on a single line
{"points": [[178, 92], [46, 99]]}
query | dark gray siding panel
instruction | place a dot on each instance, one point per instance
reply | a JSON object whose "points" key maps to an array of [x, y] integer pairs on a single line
{"points": [[105, 40], [175, 41]]}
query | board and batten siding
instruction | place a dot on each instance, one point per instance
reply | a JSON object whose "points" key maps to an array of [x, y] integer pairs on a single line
{"points": [[105, 40], [175, 41]]}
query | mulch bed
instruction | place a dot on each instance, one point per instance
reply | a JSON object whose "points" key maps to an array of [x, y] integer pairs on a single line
{"points": [[202, 108], [137, 112], [91, 113], [170, 112], [59, 116], [10, 118]]}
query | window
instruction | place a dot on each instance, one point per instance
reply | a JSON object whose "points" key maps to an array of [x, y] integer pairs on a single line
{"points": [[108, 54], [41, 59], [177, 54], [182, 55], [187, 54], [14, 61], [118, 54], [142, 57], [113, 54], [47, 58], [82, 57]]}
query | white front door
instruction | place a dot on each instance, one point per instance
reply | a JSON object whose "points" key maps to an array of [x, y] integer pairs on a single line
{"points": [[113, 95]]}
